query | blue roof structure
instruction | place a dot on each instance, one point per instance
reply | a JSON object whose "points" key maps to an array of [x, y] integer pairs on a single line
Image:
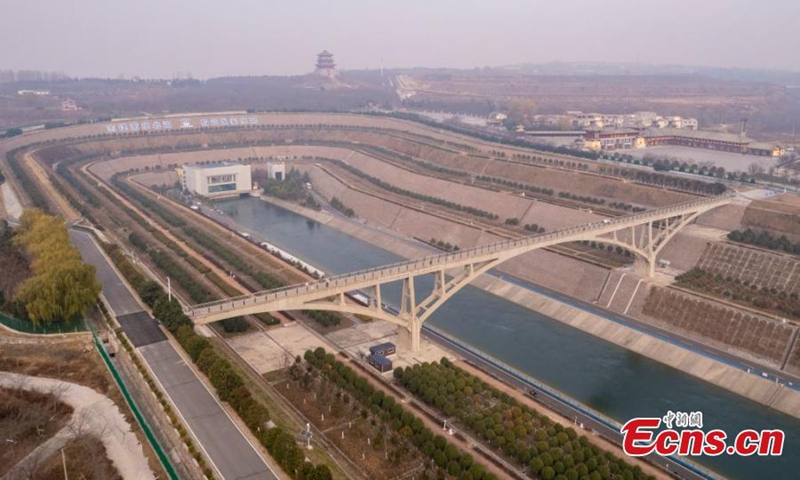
{"points": [[381, 360], [382, 347]]}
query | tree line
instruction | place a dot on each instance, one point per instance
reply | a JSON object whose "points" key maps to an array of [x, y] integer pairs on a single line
{"points": [[338, 205], [548, 449], [766, 240], [436, 447], [417, 196]]}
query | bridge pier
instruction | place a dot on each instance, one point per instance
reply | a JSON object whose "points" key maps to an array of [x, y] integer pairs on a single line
{"points": [[644, 267]]}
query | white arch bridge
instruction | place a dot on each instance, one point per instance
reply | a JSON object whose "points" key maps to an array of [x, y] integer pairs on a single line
{"points": [[645, 234]]}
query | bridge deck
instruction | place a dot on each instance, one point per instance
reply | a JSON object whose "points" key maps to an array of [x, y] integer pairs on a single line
{"points": [[435, 263]]}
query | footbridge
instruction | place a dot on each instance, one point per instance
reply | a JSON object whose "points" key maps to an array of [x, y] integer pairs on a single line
{"points": [[645, 234]]}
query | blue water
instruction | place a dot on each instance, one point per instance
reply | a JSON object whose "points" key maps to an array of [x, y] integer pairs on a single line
{"points": [[615, 381]]}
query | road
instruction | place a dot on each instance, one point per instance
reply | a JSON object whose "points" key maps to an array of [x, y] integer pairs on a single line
{"points": [[225, 445]]}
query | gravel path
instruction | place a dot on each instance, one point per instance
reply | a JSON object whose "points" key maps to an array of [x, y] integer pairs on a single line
{"points": [[94, 414]]}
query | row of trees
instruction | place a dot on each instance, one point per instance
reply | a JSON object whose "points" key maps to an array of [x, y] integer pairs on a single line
{"points": [[556, 162], [581, 198], [742, 291], [442, 245], [766, 240], [62, 285], [28, 184], [611, 248], [534, 228], [518, 185], [626, 207], [382, 151], [264, 279], [444, 454], [668, 181], [338, 205], [548, 449], [225, 378], [417, 196]]}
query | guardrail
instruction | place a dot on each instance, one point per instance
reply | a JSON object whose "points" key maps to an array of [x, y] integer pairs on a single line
{"points": [[163, 458], [343, 280]]}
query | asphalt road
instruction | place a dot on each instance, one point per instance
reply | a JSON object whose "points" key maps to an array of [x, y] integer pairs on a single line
{"points": [[220, 438]]}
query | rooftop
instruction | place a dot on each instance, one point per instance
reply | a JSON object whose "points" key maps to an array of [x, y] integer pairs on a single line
{"points": [[699, 134], [221, 164], [381, 360]]}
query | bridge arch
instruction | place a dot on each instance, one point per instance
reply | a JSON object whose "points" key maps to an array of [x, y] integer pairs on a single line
{"points": [[645, 234]]}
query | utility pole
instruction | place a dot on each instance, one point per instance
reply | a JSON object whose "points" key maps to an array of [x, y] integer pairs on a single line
{"points": [[169, 290], [64, 462]]}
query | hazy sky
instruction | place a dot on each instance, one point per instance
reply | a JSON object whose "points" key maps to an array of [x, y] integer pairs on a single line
{"points": [[255, 37]]}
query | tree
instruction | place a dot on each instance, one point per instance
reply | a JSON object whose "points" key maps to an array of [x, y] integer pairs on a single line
{"points": [[520, 112], [62, 285], [13, 132]]}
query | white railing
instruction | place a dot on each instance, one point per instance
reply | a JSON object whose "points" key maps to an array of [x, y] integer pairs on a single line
{"points": [[453, 259]]}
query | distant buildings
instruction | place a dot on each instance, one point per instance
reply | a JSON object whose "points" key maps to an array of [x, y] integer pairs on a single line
{"points": [[325, 65], [38, 93], [607, 139], [216, 179], [69, 105], [632, 120]]}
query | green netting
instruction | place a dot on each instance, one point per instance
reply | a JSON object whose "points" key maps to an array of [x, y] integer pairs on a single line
{"points": [[25, 326]]}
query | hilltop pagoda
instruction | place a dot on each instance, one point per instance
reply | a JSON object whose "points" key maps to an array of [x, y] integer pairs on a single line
{"points": [[326, 67]]}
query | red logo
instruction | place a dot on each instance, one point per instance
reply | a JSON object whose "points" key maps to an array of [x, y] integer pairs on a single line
{"points": [[643, 437]]}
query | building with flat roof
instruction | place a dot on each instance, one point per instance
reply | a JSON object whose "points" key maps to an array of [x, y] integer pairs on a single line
{"points": [[381, 363], [726, 142], [217, 179], [384, 349]]}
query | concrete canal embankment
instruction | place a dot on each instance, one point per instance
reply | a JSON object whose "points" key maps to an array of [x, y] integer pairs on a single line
{"points": [[734, 378]]}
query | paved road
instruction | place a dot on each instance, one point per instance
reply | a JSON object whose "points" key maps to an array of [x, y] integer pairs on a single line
{"points": [[224, 444]]}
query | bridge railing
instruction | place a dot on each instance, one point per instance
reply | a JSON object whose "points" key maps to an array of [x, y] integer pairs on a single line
{"points": [[346, 279]]}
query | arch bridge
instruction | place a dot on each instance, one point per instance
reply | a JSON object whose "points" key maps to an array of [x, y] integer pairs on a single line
{"points": [[645, 234]]}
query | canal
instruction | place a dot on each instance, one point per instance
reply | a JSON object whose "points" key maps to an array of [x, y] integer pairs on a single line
{"points": [[615, 381]]}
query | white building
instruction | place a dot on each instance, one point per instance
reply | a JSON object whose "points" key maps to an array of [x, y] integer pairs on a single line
{"points": [[276, 170], [217, 179]]}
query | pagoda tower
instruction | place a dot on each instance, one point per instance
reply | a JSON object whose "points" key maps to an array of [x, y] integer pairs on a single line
{"points": [[325, 65]]}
